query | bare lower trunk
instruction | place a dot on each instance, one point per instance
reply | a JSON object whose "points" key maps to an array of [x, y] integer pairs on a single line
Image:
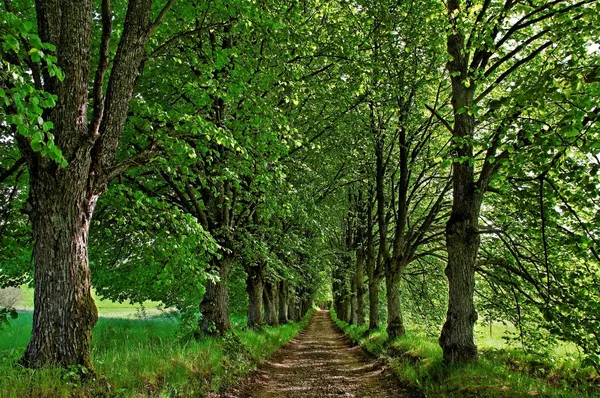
{"points": [[345, 308], [353, 319], [395, 323], [64, 311], [254, 288], [360, 291], [270, 304], [374, 319], [456, 338], [292, 307], [215, 303], [283, 302], [305, 305]]}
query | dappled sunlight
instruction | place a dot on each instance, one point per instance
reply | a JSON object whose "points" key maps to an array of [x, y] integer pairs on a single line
{"points": [[319, 363]]}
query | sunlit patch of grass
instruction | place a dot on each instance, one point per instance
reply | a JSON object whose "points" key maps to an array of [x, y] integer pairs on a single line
{"points": [[135, 357], [106, 308]]}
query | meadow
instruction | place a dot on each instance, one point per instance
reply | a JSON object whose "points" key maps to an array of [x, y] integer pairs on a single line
{"points": [[141, 357]]}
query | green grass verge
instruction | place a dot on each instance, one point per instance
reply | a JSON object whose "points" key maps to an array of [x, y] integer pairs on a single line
{"points": [[417, 361], [139, 358]]}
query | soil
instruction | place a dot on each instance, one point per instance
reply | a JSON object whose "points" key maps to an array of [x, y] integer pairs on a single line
{"points": [[319, 362]]}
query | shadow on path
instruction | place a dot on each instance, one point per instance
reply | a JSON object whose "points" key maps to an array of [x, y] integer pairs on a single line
{"points": [[319, 363]]}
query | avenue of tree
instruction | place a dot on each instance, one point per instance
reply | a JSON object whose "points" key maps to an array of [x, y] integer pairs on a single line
{"points": [[426, 164]]}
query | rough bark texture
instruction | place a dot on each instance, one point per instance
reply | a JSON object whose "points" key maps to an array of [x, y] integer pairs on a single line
{"points": [[456, 338], [254, 288], [395, 323], [462, 235], [215, 303], [270, 303], [283, 302], [63, 199], [64, 311]]}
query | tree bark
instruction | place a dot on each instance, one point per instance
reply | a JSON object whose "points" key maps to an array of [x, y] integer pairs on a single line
{"points": [[270, 304], [359, 276], [292, 307], [63, 199], [462, 233], [456, 338], [215, 303], [64, 311], [254, 288], [283, 302], [374, 318], [353, 319], [395, 323]]}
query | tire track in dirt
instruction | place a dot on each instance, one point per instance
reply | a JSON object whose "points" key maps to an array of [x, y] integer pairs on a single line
{"points": [[319, 363]]}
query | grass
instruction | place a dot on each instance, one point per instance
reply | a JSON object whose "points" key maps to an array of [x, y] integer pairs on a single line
{"points": [[106, 308], [142, 357], [500, 372]]}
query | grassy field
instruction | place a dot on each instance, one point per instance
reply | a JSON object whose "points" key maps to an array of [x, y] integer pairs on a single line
{"points": [[141, 357], [106, 308], [502, 371]]}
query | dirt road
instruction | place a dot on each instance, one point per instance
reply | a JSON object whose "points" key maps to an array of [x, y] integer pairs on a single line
{"points": [[319, 363]]}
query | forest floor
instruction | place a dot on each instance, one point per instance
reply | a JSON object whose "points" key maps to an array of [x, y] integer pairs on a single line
{"points": [[319, 362]]}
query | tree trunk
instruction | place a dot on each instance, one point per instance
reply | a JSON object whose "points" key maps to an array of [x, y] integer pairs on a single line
{"points": [[64, 311], [283, 302], [63, 199], [215, 303], [395, 323], [254, 288], [462, 233], [305, 304], [345, 308], [374, 318], [456, 338], [353, 319], [270, 304], [292, 309], [360, 289]]}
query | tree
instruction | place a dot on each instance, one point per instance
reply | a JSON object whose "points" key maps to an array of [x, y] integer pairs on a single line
{"points": [[63, 196], [491, 46]]}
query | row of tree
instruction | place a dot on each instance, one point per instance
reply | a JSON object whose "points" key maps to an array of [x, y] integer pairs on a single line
{"points": [[291, 141]]}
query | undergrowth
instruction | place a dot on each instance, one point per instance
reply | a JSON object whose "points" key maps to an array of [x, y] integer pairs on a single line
{"points": [[142, 358], [417, 361]]}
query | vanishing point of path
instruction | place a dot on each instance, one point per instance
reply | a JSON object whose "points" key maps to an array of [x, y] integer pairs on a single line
{"points": [[319, 363]]}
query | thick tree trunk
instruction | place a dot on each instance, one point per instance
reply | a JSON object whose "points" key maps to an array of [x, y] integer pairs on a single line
{"points": [[254, 288], [462, 234], [395, 323], [456, 338], [374, 318], [270, 303], [214, 307], [64, 311], [63, 199], [283, 302]]}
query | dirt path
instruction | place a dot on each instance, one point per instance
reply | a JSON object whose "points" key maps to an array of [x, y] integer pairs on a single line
{"points": [[319, 363]]}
